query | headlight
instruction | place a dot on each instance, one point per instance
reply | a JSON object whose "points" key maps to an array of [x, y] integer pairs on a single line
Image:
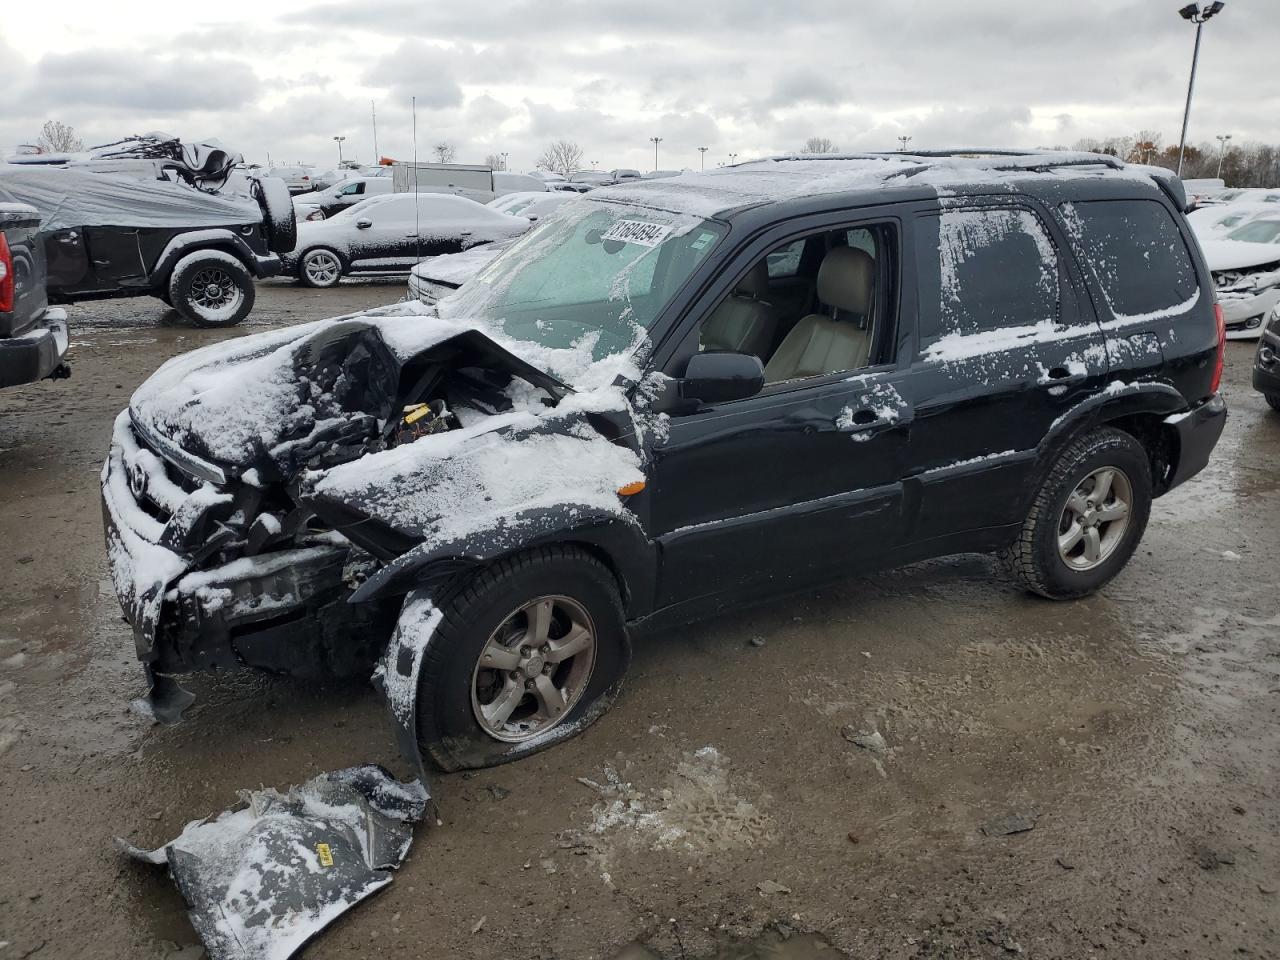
{"points": [[315, 215]]}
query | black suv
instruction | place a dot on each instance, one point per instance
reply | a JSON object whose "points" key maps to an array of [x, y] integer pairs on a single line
{"points": [[1266, 364], [667, 399], [110, 235], [33, 335]]}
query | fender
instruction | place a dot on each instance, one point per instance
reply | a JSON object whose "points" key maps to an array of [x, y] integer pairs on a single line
{"points": [[222, 237], [631, 555]]}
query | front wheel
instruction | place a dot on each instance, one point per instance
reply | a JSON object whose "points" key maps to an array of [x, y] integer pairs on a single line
{"points": [[212, 289], [1087, 519], [528, 652], [320, 268], [1273, 400]]}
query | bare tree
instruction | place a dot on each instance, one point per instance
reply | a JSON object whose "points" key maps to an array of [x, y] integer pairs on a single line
{"points": [[494, 162], [562, 157], [444, 151], [820, 145], [59, 137]]}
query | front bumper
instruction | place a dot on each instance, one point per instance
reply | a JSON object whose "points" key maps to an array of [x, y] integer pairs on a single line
{"points": [[1245, 316], [1198, 431], [185, 617], [36, 354], [1266, 363]]}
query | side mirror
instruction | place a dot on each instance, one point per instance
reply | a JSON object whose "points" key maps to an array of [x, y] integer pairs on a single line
{"points": [[363, 224], [722, 376]]}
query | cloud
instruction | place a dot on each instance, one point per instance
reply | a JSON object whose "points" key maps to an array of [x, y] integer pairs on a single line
{"points": [[117, 79]]}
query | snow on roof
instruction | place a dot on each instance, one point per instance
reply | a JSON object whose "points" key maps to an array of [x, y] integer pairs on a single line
{"points": [[788, 177]]}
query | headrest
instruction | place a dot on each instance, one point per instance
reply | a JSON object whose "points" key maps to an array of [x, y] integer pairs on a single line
{"points": [[756, 283], [846, 278]]}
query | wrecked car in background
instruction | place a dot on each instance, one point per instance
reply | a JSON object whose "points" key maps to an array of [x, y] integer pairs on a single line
{"points": [[1245, 263], [664, 401], [107, 236]]}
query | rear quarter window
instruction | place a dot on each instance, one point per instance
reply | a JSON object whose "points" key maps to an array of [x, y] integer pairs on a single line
{"points": [[1137, 254]]}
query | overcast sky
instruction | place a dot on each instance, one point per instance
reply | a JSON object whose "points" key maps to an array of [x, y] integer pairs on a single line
{"points": [[745, 76]]}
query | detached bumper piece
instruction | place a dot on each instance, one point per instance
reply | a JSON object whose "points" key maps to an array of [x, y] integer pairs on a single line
{"points": [[38, 353], [262, 880]]}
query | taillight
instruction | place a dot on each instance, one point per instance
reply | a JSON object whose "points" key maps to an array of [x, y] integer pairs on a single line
{"points": [[1222, 348], [6, 276]]}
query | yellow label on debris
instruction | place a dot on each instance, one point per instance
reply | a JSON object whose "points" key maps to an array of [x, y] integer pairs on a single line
{"points": [[326, 856]]}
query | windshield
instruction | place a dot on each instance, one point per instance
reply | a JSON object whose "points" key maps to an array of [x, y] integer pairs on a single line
{"points": [[1258, 231], [592, 269]]}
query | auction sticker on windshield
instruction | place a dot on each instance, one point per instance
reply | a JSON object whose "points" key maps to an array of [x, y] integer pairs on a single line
{"points": [[637, 231]]}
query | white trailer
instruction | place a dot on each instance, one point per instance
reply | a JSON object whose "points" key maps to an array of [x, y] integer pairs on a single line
{"points": [[471, 180]]}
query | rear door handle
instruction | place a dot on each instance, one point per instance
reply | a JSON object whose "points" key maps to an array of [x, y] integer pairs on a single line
{"points": [[1061, 375], [864, 419]]}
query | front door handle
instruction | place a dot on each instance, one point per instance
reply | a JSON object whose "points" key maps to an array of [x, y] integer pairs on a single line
{"points": [[861, 420]]}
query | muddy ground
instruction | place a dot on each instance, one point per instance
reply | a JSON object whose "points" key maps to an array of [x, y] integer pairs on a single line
{"points": [[1138, 730]]}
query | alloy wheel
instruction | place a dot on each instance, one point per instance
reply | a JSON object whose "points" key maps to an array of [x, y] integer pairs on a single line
{"points": [[533, 669], [1095, 518], [322, 268], [214, 289]]}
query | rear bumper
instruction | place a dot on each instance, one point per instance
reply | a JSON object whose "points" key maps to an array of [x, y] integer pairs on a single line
{"points": [[1198, 431], [1266, 363], [37, 353]]}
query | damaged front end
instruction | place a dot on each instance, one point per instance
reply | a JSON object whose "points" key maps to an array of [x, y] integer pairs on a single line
{"points": [[1247, 295], [216, 553]]}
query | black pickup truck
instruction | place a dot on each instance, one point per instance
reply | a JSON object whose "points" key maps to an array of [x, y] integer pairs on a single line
{"points": [[33, 335]]}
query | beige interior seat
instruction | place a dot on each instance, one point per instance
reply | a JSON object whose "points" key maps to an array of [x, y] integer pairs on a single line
{"points": [[821, 343], [744, 322]]}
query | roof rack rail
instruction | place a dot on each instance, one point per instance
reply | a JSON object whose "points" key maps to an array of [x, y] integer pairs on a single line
{"points": [[1047, 158]]}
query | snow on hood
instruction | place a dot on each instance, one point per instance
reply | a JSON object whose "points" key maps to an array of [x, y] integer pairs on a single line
{"points": [[1238, 255]]}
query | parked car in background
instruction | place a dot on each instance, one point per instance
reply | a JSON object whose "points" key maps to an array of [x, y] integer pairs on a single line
{"points": [[624, 173], [661, 174], [628, 420], [594, 178], [389, 234], [570, 186], [437, 277], [320, 204], [507, 183], [1212, 221], [297, 179], [1246, 270], [531, 206], [108, 236], [1266, 364], [33, 335]]}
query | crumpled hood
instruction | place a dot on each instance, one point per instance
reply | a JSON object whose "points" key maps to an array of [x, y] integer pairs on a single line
{"points": [[246, 403], [1238, 255]]}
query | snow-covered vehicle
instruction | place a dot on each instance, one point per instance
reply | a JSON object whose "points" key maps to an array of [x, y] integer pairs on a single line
{"points": [[637, 415], [1214, 221], [1246, 270], [322, 204], [109, 236], [505, 184], [532, 205], [297, 179], [388, 234]]}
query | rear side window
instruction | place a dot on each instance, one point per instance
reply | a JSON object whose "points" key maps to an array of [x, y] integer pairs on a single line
{"points": [[1136, 252], [785, 261], [982, 270]]}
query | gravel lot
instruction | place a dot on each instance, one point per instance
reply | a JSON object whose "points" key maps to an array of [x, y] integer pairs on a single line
{"points": [[1139, 731]]}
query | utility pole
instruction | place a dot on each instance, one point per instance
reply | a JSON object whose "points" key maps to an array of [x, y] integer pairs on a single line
{"points": [[703, 157], [655, 141], [902, 144], [1192, 13], [373, 112], [1222, 139]]}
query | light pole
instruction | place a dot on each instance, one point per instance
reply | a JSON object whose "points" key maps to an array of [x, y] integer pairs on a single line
{"points": [[504, 160], [1222, 139], [339, 139], [1196, 15], [703, 157], [903, 141], [373, 113], [655, 141], [732, 158]]}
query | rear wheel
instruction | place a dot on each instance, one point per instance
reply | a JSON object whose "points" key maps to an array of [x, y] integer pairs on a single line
{"points": [[1273, 399], [212, 289], [528, 652], [1087, 518], [320, 267]]}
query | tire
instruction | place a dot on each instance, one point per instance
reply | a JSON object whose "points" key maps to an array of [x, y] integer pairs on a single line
{"points": [[321, 267], [191, 289], [452, 683], [1035, 559], [279, 219], [1273, 401]]}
